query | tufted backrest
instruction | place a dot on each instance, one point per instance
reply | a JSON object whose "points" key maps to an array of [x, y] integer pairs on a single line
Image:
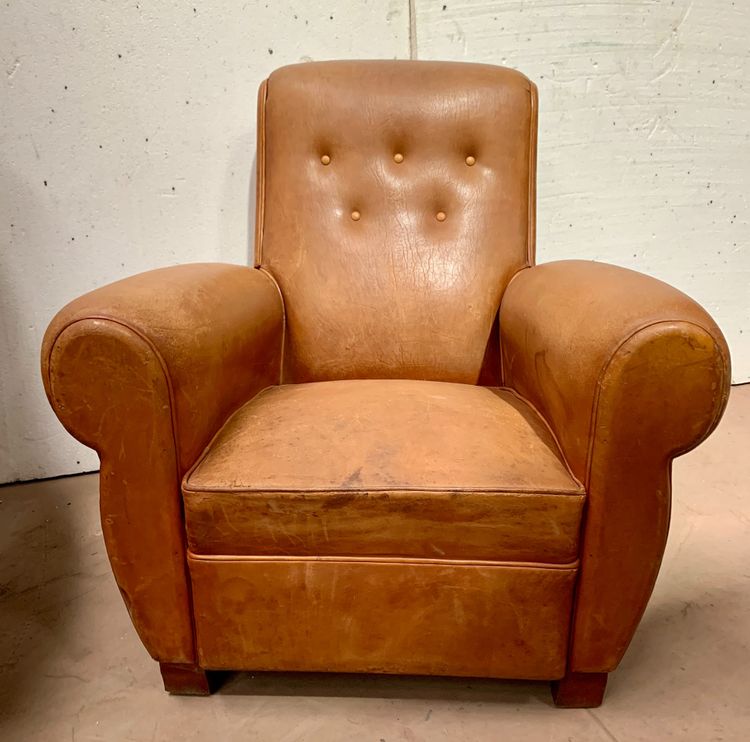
{"points": [[395, 202]]}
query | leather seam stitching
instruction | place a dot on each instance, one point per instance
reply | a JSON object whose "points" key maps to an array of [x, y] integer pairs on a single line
{"points": [[554, 437], [173, 422], [571, 662], [284, 559], [189, 473], [499, 323], [605, 368], [189, 488], [533, 125], [282, 353]]}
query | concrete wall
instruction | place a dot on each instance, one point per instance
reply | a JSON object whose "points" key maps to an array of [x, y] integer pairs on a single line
{"points": [[128, 130]]}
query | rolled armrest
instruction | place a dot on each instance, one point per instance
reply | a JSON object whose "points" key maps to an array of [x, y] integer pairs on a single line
{"points": [[629, 372], [214, 330], [145, 371]]}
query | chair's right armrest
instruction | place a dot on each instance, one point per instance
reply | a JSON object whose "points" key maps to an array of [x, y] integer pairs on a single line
{"points": [[145, 371], [629, 372]]}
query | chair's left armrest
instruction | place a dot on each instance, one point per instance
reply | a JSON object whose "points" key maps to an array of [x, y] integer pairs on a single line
{"points": [[145, 371], [215, 329], [629, 373]]}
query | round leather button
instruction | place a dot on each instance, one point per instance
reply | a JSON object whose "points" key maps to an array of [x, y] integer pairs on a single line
{"points": [[398, 157], [325, 159], [440, 216], [356, 216], [470, 160]]}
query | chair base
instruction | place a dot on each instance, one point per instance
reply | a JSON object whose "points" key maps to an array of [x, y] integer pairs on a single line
{"points": [[579, 690], [185, 680]]}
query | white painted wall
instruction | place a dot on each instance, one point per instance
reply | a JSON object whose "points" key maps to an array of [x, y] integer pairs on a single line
{"points": [[127, 140], [147, 153], [644, 143]]}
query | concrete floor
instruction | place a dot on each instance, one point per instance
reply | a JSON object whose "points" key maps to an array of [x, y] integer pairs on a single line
{"points": [[72, 668]]}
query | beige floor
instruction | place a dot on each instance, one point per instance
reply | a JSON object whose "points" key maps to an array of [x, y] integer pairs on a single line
{"points": [[71, 667]]}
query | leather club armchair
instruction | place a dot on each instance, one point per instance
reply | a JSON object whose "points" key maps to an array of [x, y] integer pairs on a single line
{"points": [[394, 444]]}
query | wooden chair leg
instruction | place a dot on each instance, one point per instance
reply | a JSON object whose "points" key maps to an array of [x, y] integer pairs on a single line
{"points": [[184, 680], [579, 690]]}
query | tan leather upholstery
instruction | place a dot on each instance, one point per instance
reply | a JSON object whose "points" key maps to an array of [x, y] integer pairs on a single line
{"points": [[421, 469], [144, 371], [396, 291], [629, 372], [379, 471], [430, 617]]}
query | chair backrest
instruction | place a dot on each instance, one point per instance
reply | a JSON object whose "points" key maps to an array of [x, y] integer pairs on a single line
{"points": [[395, 202]]}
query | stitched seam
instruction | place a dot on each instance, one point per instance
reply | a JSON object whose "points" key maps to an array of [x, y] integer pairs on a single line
{"points": [[499, 324], [220, 427], [605, 368], [590, 454], [282, 353], [570, 566], [189, 488], [719, 411], [533, 126], [554, 437], [184, 485], [173, 420]]}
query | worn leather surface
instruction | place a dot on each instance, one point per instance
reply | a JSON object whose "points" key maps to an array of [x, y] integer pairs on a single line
{"points": [[395, 214], [394, 616], [410, 288], [629, 372], [385, 467], [144, 371]]}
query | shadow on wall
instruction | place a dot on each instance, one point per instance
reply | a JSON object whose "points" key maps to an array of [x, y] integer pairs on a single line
{"points": [[33, 444], [236, 217], [251, 211]]}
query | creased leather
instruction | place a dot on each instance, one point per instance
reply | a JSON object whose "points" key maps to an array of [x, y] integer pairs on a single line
{"points": [[629, 372], [145, 370], [416, 617], [396, 293], [385, 467], [376, 510]]}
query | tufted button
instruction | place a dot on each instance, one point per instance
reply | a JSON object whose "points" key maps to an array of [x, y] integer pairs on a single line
{"points": [[440, 216], [398, 157], [355, 216], [325, 159], [470, 160]]}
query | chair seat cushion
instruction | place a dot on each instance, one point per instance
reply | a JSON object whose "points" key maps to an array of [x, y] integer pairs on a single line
{"points": [[395, 468]]}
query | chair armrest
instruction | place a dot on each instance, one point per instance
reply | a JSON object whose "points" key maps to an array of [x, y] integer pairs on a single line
{"points": [[145, 371], [629, 372], [213, 329]]}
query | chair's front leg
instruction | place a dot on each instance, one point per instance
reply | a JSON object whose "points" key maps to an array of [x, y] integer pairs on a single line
{"points": [[580, 690], [184, 679]]}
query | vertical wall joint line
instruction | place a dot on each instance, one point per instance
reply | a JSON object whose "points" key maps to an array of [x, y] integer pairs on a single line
{"points": [[412, 29]]}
